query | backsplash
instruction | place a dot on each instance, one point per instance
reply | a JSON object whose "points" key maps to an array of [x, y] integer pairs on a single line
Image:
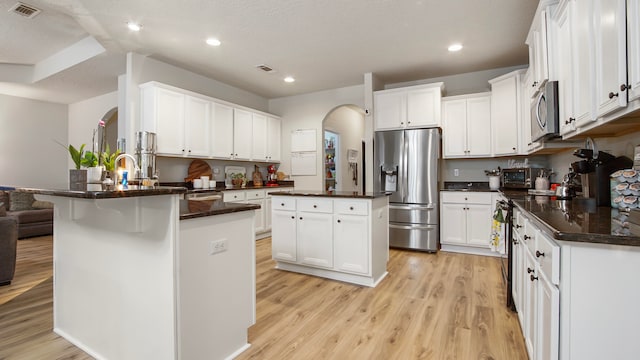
{"points": [[473, 169], [173, 169]]}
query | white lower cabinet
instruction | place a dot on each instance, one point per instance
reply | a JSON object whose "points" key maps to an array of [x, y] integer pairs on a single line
{"points": [[341, 239], [465, 220], [262, 197]]}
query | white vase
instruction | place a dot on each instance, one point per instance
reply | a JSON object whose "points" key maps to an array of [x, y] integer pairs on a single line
{"points": [[94, 175]]}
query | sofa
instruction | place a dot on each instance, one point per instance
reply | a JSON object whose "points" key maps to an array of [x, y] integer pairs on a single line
{"points": [[8, 246], [33, 217]]}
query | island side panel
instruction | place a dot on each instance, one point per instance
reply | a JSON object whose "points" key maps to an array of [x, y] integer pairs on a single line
{"points": [[379, 238], [217, 299], [114, 285]]}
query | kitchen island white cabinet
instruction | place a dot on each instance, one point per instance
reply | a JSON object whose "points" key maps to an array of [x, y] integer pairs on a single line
{"points": [[141, 274], [337, 235]]}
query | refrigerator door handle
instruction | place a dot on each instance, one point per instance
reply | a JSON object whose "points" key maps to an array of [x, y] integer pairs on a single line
{"points": [[405, 165], [413, 227], [412, 207]]}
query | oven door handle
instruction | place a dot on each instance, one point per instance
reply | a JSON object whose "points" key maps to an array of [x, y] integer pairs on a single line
{"points": [[412, 207], [413, 227]]}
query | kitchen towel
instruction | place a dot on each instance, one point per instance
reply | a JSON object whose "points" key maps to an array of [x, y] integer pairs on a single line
{"points": [[498, 231]]}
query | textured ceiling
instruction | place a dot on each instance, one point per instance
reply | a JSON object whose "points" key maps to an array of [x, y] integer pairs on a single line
{"points": [[324, 44]]}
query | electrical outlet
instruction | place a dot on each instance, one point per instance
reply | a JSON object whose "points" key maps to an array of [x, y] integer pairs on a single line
{"points": [[216, 170], [217, 246], [456, 172]]}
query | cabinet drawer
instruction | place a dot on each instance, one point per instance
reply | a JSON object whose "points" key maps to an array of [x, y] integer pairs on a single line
{"points": [[351, 207], [231, 196], [315, 205], [529, 236], [466, 197], [518, 222], [254, 194], [283, 203], [547, 254]]}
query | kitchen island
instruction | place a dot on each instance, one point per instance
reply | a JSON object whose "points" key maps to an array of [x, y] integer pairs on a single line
{"points": [[337, 235], [142, 274]]}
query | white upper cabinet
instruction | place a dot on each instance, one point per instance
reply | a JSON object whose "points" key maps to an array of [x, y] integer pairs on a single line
{"points": [[583, 69], [222, 131], [259, 130], [466, 126], [505, 113], [633, 49], [538, 54], [196, 123], [273, 139], [565, 66], [415, 106], [611, 55], [242, 134]]}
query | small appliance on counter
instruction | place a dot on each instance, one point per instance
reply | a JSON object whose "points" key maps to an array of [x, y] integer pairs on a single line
{"points": [[145, 153], [272, 177], [521, 178], [494, 178]]}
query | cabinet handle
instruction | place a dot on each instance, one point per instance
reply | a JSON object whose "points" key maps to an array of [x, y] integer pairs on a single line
{"points": [[231, 154], [401, 123], [350, 207], [293, 217], [624, 87], [534, 84], [526, 237], [182, 150], [300, 217], [515, 242], [315, 206], [539, 254], [571, 119], [534, 278], [189, 150], [514, 149], [530, 270], [518, 226], [281, 204], [408, 122], [338, 221], [612, 95]]}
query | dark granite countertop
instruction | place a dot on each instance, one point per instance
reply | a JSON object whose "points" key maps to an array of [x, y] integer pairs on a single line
{"points": [[97, 191], [334, 194], [191, 209], [578, 220], [220, 186]]}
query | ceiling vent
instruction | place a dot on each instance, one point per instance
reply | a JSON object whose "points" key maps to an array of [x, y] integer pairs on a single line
{"points": [[25, 10], [265, 68]]}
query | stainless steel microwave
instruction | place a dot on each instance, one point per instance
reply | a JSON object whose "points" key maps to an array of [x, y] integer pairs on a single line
{"points": [[519, 178], [545, 112]]}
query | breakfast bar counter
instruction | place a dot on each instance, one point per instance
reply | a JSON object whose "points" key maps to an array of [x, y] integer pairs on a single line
{"points": [[142, 274]]}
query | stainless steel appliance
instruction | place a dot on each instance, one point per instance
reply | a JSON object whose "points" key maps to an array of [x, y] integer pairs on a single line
{"points": [[406, 164], [146, 155], [520, 178], [545, 112]]}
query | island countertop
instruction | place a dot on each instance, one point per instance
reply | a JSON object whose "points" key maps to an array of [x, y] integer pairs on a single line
{"points": [[332, 194], [97, 191], [191, 209]]}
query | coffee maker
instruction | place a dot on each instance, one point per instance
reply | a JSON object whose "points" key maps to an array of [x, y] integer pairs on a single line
{"points": [[145, 153], [272, 177], [595, 169]]}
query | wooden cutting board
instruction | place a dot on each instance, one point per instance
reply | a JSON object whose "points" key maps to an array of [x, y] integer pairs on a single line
{"points": [[198, 168]]}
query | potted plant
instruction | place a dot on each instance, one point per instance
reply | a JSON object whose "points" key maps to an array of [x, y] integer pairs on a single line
{"points": [[77, 176], [94, 172], [109, 161], [237, 179]]}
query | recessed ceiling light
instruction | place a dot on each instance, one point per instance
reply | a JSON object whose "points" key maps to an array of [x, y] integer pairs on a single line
{"points": [[134, 26], [455, 47], [213, 42], [289, 79]]}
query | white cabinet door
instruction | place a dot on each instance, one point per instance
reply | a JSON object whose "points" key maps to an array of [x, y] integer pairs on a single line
{"points": [[242, 134], [267, 214], [633, 48], [453, 224], [504, 116], [169, 121], [283, 236], [583, 62], [611, 55], [479, 126], [423, 107], [530, 304], [538, 55], [389, 109], [196, 122], [351, 243], [478, 224], [222, 131], [548, 319], [273, 139], [565, 67], [454, 133], [259, 215], [315, 239], [259, 131]]}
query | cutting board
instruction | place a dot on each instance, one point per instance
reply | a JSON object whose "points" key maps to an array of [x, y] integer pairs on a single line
{"points": [[198, 168]]}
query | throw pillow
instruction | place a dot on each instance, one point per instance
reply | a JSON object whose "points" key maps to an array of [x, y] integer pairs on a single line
{"points": [[42, 205], [20, 201], [4, 197], [3, 211]]}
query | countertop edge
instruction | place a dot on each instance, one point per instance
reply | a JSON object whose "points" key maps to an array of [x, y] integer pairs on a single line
{"points": [[331, 195], [228, 209], [108, 194]]}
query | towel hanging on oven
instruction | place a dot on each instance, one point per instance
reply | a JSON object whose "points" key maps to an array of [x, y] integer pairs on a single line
{"points": [[497, 241]]}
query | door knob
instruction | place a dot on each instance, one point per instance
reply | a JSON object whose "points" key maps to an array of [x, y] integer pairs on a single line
{"points": [[526, 237], [534, 278], [529, 270], [539, 254], [612, 95], [624, 87]]}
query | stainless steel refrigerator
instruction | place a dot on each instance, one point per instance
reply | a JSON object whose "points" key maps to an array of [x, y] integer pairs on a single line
{"points": [[406, 164]]}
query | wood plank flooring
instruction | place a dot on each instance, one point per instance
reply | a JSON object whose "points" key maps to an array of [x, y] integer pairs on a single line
{"points": [[443, 306]]}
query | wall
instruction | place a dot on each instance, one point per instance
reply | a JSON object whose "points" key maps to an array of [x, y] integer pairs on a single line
{"points": [[473, 169], [307, 112], [173, 169], [348, 122], [30, 150], [84, 117]]}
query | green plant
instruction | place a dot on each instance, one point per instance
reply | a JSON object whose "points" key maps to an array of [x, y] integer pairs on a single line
{"points": [[90, 159], [109, 159], [76, 155]]}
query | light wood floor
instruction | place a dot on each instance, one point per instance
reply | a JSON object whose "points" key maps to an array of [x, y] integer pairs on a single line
{"points": [[443, 306]]}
